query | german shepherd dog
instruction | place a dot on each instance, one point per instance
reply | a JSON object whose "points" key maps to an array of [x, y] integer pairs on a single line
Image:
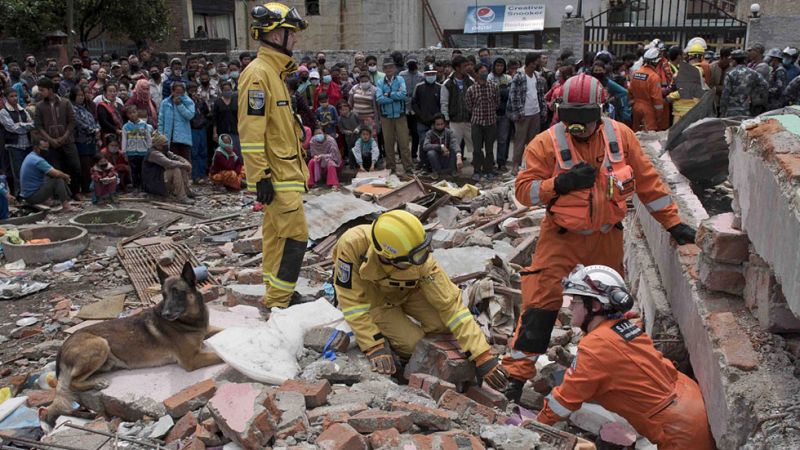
{"points": [[171, 332]]}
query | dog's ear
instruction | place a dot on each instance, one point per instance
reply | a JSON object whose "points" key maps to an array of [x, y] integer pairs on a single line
{"points": [[188, 274], [162, 276]]}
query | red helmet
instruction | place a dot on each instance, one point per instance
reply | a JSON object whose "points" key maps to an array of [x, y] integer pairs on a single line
{"points": [[582, 98]]}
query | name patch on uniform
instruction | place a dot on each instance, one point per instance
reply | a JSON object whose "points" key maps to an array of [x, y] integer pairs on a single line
{"points": [[255, 103], [627, 330], [344, 272], [640, 76], [283, 103]]}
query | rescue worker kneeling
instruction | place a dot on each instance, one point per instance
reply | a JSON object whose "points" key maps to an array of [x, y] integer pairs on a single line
{"points": [[384, 274], [618, 368]]}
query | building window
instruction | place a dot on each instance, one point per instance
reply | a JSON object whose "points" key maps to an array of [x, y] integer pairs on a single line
{"points": [[312, 7]]}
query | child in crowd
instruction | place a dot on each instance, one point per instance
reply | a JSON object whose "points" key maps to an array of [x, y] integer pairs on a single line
{"points": [[117, 159], [136, 138], [226, 168], [327, 117], [104, 180], [348, 126], [365, 151], [325, 159]]}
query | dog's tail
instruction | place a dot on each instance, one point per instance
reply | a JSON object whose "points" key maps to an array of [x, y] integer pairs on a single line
{"points": [[64, 398]]}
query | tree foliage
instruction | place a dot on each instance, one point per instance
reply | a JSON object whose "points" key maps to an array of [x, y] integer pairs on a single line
{"points": [[32, 20]]}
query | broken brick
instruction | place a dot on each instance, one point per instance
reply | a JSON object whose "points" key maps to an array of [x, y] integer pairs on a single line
{"points": [[341, 437], [334, 418], [375, 419], [430, 384], [293, 413], [733, 341], [466, 408], [448, 440], [206, 437], [487, 397], [245, 413], [318, 337], [244, 294], [439, 355], [316, 415], [722, 277], [40, 398], [250, 246], [211, 292], [315, 392], [190, 398], [194, 444], [425, 417], [250, 276], [721, 242], [183, 428], [385, 439]]}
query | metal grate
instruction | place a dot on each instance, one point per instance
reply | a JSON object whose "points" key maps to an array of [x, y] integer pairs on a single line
{"points": [[140, 263]]}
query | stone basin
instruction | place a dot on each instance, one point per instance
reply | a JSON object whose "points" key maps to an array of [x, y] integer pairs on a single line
{"points": [[111, 222], [67, 242]]}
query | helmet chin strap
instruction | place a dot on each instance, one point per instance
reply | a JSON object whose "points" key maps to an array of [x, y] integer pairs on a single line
{"points": [[280, 48], [590, 314]]}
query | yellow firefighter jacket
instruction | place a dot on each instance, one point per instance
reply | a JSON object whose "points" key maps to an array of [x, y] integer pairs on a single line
{"points": [[269, 133], [365, 286]]}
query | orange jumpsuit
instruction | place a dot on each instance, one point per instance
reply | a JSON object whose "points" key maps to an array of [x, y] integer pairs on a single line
{"points": [[706, 71], [559, 251], [649, 106], [667, 77], [618, 368]]}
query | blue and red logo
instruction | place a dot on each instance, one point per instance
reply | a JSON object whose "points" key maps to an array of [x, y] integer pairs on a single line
{"points": [[485, 14]]}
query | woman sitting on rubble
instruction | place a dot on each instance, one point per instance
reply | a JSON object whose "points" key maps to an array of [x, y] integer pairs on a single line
{"points": [[226, 168], [166, 174], [325, 159]]}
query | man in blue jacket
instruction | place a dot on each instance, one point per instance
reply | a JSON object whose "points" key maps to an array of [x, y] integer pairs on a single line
{"points": [[174, 118], [391, 96]]}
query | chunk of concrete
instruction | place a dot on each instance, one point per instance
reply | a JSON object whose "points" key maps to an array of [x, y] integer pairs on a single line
{"points": [[440, 356], [245, 413], [509, 437]]}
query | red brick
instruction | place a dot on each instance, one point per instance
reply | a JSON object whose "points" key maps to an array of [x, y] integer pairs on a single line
{"points": [[245, 413], [315, 392], [194, 444], [430, 384], [487, 397], [211, 292], [385, 439], [733, 341], [183, 428], [721, 242], [723, 277], [448, 440], [789, 163], [425, 417], [40, 398], [249, 276], [207, 437], [317, 415], [334, 418], [375, 419], [250, 246], [341, 437], [439, 355], [466, 408], [190, 398]]}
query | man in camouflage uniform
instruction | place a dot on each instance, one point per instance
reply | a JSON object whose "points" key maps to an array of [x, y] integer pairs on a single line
{"points": [[792, 93], [742, 88], [778, 80]]}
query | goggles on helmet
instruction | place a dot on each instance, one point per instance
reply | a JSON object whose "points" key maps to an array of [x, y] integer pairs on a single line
{"points": [[579, 113], [417, 256], [618, 298], [268, 16]]}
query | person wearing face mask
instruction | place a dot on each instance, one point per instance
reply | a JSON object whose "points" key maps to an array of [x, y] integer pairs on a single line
{"points": [[585, 169], [155, 85], [618, 94], [375, 75], [303, 82], [384, 273], [426, 105], [320, 61], [30, 74], [412, 76], [234, 70], [362, 102], [328, 87], [789, 63], [176, 75], [39, 181], [391, 94], [324, 161]]}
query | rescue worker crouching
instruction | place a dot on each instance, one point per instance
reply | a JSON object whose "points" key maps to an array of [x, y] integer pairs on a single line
{"points": [[271, 141], [584, 169], [618, 367], [384, 274]]}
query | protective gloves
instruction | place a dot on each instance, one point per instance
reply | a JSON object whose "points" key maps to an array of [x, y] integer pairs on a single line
{"points": [[265, 192], [581, 176], [683, 234], [491, 372], [382, 359]]}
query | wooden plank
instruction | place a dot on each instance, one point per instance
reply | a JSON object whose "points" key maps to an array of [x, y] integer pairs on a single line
{"points": [[505, 216]]}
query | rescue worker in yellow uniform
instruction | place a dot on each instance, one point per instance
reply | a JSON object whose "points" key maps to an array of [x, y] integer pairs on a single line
{"points": [[584, 169], [271, 139], [385, 277], [618, 368], [681, 106]]}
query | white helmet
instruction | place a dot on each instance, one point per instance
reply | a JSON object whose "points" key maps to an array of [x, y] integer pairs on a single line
{"points": [[790, 52], [601, 282], [652, 55], [697, 40]]}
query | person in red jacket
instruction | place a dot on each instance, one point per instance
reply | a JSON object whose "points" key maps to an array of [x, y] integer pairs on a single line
{"points": [[618, 367], [226, 168], [584, 169], [111, 152]]}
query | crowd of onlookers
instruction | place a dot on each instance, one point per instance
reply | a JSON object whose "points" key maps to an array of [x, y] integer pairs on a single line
{"points": [[100, 126]]}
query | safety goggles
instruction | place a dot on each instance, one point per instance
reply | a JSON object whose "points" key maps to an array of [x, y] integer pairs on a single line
{"points": [[292, 18], [417, 256], [579, 114]]}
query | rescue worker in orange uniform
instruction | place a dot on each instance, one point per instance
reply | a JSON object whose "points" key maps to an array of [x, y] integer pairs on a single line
{"points": [[618, 367], [584, 169], [649, 107]]}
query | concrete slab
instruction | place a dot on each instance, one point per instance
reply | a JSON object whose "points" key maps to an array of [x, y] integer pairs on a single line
{"points": [[239, 315], [464, 260]]}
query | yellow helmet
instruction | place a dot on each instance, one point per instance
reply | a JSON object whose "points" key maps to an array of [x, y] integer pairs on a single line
{"points": [[695, 49], [400, 237], [272, 15]]}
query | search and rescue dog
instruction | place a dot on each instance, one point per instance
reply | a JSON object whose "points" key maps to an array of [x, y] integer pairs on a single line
{"points": [[171, 332]]}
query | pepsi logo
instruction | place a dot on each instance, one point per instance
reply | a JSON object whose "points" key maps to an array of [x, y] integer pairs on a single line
{"points": [[485, 14]]}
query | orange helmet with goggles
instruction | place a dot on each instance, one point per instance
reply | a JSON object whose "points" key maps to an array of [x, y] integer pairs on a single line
{"points": [[274, 15], [399, 237], [582, 100]]}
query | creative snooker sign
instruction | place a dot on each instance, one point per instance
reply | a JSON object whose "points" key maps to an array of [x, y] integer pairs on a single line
{"points": [[504, 18]]}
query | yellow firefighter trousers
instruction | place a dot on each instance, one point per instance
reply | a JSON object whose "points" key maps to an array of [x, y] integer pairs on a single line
{"points": [[403, 333], [284, 239]]}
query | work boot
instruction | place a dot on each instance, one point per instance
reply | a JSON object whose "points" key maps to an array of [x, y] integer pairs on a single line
{"points": [[514, 389]]}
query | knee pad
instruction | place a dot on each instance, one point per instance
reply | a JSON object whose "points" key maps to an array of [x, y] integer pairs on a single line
{"points": [[534, 330]]}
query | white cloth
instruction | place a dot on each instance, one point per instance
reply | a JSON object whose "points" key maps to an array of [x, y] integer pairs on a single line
{"points": [[531, 97]]}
